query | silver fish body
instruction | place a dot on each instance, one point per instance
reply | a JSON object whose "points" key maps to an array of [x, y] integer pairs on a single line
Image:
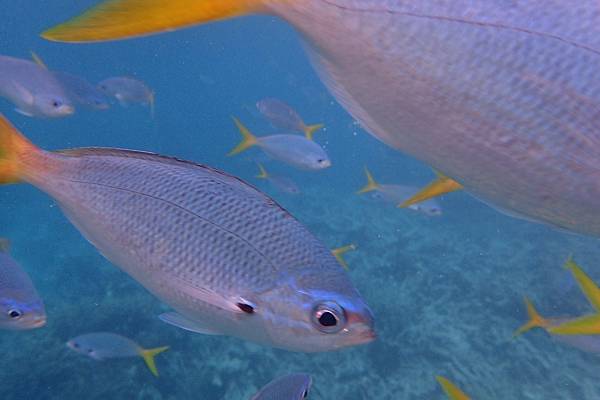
{"points": [[104, 345], [32, 89], [127, 90], [502, 96], [295, 150], [288, 387], [21, 307], [226, 257], [82, 92]]}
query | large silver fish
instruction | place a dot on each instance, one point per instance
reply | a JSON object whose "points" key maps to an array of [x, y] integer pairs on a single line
{"points": [[225, 256], [502, 96], [33, 89]]}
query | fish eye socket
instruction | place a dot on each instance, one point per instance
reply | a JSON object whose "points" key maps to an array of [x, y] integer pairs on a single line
{"points": [[15, 314], [305, 394], [329, 317], [56, 103]]}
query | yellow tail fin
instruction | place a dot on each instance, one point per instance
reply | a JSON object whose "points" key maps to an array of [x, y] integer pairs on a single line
{"points": [[263, 172], [148, 356], [309, 130], [453, 392], [535, 320], [120, 19], [13, 147], [438, 187], [340, 251], [371, 184], [36, 59], [248, 139], [586, 325], [586, 284]]}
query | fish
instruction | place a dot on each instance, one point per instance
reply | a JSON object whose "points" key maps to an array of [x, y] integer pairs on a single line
{"points": [[224, 256], [282, 116], [451, 390], [397, 194], [78, 89], [33, 90], [501, 96], [288, 387], [586, 343], [106, 345], [441, 185], [21, 307], [294, 150], [82, 92], [281, 183], [128, 91], [340, 251]]}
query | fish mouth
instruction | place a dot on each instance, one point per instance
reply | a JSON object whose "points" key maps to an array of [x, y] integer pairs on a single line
{"points": [[363, 325], [38, 322]]}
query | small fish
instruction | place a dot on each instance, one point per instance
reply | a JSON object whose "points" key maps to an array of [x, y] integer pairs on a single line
{"points": [[33, 89], [128, 91], [81, 91], [442, 185], [227, 258], [78, 89], [289, 387], [294, 150], [340, 251], [451, 390], [20, 305], [281, 183], [395, 194], [284, 117], [105, 345], [587, 343]]}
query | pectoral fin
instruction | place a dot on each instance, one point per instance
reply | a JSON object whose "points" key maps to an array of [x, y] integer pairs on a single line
{"points": [[178, 320]]}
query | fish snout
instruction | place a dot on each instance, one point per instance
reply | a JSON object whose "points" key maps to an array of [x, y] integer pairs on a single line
{"points": [[362, 324], [38, 321]]}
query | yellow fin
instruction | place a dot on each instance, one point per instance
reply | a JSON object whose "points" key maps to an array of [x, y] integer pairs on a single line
{"points": [[263, 172], [13, 146], [36, 59], [248, 139], [535, 319], [586, 325], [340, 251], [148, 356], [371, 184], [440, 186], [4, 245], [453, 392], [586, 284], [120, 19], [309, 130]]}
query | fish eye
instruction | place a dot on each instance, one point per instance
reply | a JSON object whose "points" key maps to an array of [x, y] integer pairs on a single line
{"points": [[247, 307], [305, 394], [56, 103], [328, 317], [15, 314]]}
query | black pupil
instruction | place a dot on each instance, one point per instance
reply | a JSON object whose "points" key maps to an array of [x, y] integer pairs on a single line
{"points": [[247, 308], [55, 103], [327, 319], [14, 314]]}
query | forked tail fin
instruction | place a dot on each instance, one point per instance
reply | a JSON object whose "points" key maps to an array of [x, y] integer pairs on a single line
{"points": [[371, 184], [13, 148], [148, 356]]}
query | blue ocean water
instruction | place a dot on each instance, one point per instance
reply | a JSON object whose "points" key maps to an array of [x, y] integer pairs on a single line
{"points": [[446, 292]]}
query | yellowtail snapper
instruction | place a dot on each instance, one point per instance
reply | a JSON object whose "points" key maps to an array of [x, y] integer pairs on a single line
{"points": [[225, 256], [282, 116], [105, 345]]}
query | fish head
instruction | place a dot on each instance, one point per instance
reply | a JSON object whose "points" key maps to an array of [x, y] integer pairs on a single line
{"points": [[316, 161], [80, 346], [52, 105], [312, 320], [20, 314]]}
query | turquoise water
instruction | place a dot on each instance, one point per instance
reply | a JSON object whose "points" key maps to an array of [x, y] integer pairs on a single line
{"points": [[446, 292]]}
